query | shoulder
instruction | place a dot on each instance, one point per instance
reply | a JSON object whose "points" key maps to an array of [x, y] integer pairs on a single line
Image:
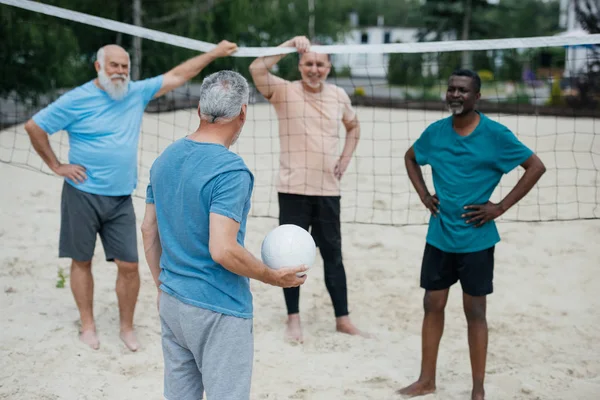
{"points": [[495, 129], [234, 162], [491, 124], [279, 87], [171, 151], [142, 84], [338, 91], [294, 85], [68, 102], [80, 92], [439, 125], [233, 174]]}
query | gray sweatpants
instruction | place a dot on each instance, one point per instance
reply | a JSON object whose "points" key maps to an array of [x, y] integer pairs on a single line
{"points": [[205, 351]]}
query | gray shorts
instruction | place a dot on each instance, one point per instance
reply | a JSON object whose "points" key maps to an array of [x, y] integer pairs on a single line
{"points": [[84, 215], [205, 351]]}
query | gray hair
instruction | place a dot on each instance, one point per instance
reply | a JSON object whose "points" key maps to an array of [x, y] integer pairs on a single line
{"points": [[222, 96], [101, 57]]}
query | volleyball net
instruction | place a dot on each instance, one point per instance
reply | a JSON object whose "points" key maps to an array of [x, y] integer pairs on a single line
{"points": [[545, 89]]}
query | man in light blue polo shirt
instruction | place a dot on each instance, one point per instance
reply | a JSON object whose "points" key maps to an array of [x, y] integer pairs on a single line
{"points": [[194, 227], [468, 154], [103, 119]]}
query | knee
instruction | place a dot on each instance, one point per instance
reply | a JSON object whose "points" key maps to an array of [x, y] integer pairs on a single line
{"points": [[475, 312], [127, 268], [81, 265], [433, 303]]}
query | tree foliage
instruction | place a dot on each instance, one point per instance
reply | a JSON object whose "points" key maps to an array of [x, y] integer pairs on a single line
{"points": [[39, 53], [50, 52], [439, 17], [587, 13]]}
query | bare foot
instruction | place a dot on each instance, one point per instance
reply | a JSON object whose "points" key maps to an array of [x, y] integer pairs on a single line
{"points": [[293, 330], [478, 394], [130, 340], [90, 338], [419, 388], [344, 325]]}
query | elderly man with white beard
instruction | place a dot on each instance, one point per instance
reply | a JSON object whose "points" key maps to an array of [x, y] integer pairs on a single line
{"points": [[103, 119]]}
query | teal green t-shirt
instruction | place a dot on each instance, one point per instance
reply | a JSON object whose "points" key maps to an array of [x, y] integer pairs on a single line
{"points": [[466, 170]]}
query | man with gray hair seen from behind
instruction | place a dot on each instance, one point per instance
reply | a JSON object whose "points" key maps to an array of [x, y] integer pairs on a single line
{"points": [[194, 227], [103, 119]]}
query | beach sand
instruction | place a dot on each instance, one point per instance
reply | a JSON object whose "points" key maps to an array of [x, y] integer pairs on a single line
{"points": [[543, 317]]}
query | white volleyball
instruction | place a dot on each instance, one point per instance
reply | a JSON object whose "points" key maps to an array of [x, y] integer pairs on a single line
{"points": [[288, 246]]}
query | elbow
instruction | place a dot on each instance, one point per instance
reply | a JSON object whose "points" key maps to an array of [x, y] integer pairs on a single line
{"points": [[148, 229], [254, 68], [539, 168], [259, 72], [219, 252], [542, 168]]}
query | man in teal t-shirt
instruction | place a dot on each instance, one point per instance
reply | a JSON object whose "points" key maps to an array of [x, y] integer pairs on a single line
{"points": [[468, 154], [103, 119]]}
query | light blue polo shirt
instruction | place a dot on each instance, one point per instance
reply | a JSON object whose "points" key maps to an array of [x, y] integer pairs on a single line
{"points": [[188, 181], [103, 133], [466, 170]]}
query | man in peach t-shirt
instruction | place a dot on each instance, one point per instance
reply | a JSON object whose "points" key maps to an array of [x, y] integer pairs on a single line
{"points": [[311, 114]]}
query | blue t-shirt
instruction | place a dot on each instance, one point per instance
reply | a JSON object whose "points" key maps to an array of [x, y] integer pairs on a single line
{"points": [[103, 133], [188, 181], [466, 170]]}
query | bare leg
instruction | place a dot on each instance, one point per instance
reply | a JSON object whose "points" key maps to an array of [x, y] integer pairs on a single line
{"points": [[128, 287], [293, 331], [82, 286], [475, 312], [434, 303]]}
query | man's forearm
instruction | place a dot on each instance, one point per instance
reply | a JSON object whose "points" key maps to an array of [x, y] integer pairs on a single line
{"points": [[241, 262], [153, 252], [41, 144], [352, 138], [531, 176], [416, 177], [264, 64], [192, 67]]}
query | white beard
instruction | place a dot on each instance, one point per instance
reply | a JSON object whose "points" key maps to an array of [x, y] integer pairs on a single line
{"points": [[455, 110], [313, 85], [116, 91]]}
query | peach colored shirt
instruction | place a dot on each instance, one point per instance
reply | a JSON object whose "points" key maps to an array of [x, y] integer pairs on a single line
{"points": [[309, 133]]}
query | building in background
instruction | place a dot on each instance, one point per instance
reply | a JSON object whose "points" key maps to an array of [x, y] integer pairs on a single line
{"points": [[577, 57], [374, 65], [370, 65]]}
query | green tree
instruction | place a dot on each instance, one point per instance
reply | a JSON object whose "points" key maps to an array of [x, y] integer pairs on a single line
{"points": [[405, 69], [30, 44], [397, 13], [41, 52]]}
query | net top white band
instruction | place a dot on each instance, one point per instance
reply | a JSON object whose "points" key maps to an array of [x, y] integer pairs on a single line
{"points": [[418, 47]]}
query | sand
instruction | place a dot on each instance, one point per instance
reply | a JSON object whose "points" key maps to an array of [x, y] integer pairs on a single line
{"points": [[543, 317]]}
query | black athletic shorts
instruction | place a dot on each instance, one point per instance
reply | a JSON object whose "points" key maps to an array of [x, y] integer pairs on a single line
{"points": [[84, 215], [475, 271]]}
